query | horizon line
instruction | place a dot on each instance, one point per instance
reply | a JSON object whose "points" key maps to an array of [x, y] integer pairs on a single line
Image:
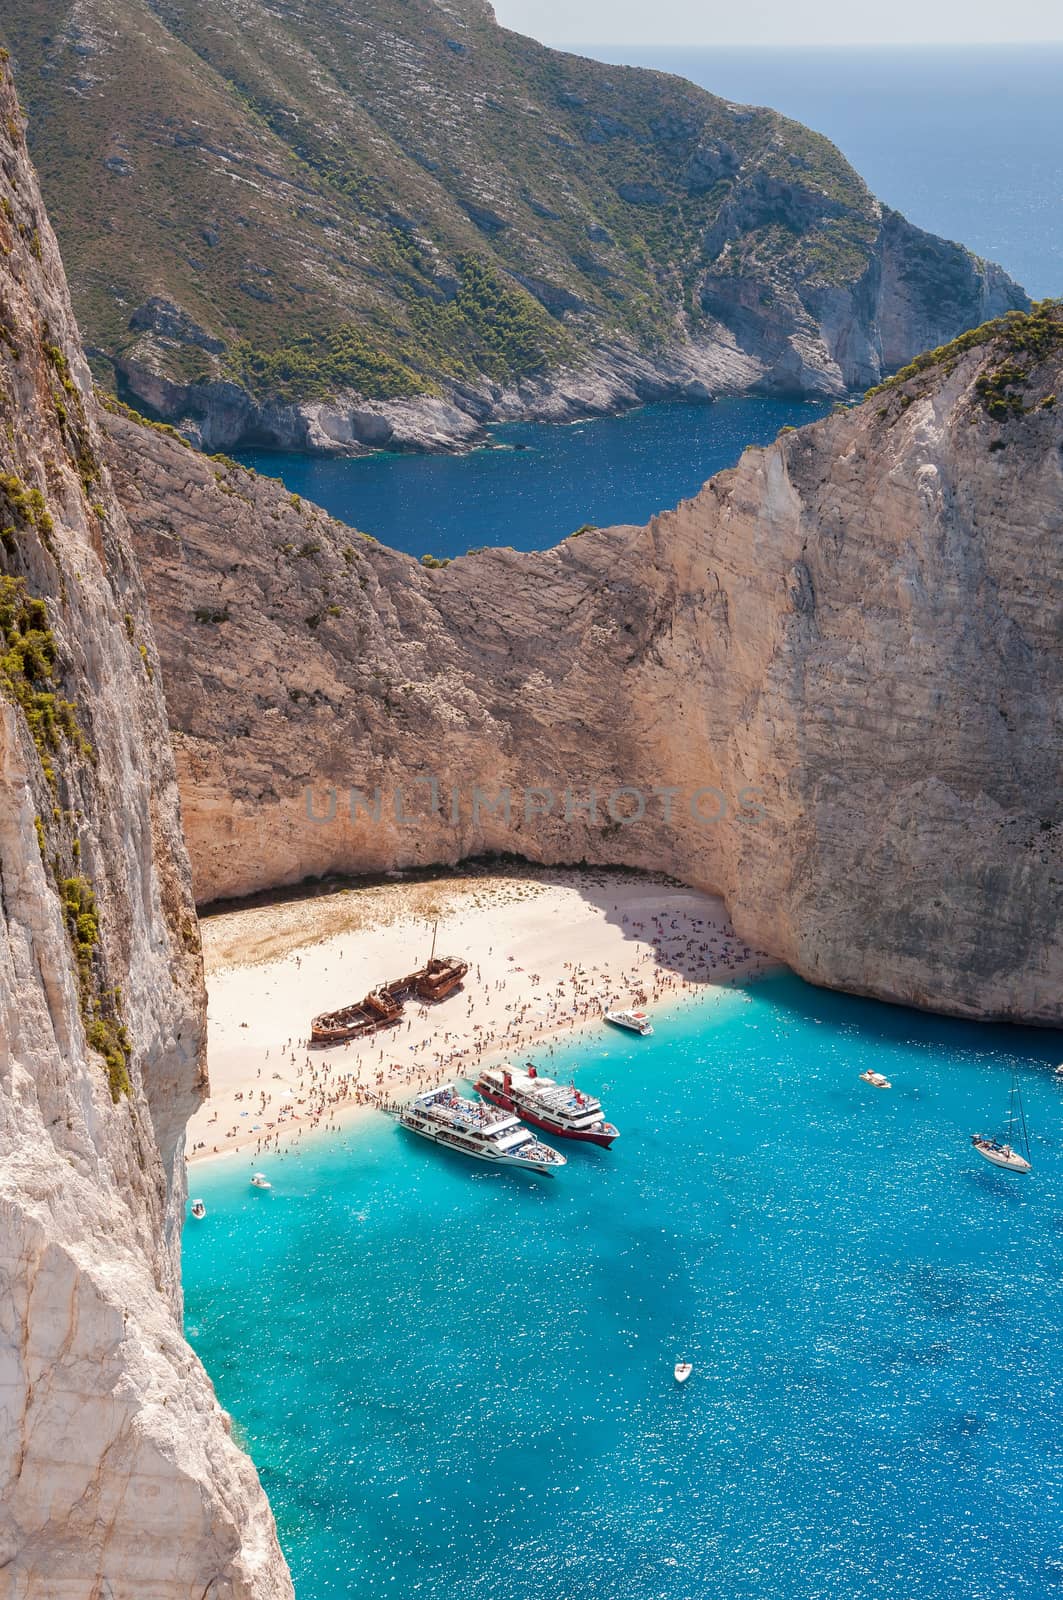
{"points": [[825, 44]]}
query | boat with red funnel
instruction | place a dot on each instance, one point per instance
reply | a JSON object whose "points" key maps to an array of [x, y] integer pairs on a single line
{"points": [[557, 1108]]}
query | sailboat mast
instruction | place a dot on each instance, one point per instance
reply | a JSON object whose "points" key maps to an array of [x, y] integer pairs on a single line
{"points": [[1022, 1123]]}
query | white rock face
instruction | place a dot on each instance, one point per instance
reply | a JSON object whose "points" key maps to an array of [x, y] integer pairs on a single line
{"points": [[858, 628], [118, 1475]]}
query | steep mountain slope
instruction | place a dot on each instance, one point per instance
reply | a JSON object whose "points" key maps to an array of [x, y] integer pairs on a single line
{"points": [[342, 223], [118, 1475], [849, 644]]}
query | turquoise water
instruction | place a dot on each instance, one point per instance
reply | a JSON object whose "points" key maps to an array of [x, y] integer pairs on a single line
{"points": [[457, 1383], [549, 480]]}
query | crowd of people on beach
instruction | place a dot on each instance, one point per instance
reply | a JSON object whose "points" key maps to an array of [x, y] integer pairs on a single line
{"points": [[678, 954]]}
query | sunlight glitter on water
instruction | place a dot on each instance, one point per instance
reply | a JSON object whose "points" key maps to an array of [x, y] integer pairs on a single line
{"points": [[458, 1382]]}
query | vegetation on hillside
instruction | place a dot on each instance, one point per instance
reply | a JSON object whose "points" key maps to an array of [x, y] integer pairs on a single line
{"points": [[1021, 341], [390, 195], [490, 327]]}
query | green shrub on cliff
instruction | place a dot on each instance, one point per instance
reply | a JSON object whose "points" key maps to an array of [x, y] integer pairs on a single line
{"points": [[27, 668], [1033, 334], [313, 369], [100, 1009]]}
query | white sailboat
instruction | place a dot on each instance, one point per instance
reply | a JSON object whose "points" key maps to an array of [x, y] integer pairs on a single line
{"points": [[1002, 1152]]}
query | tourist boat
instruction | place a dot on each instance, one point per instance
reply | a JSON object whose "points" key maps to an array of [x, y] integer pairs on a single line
{"points": [[260, 1181], [557, 1108], [1002, 1152], [379, 1009], [876, 1079], [477, 1130], [634, 1021], [199, 1210], [683, 1369]]}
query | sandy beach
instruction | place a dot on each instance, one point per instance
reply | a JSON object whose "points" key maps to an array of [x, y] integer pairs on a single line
{"points": [[546, 948]]}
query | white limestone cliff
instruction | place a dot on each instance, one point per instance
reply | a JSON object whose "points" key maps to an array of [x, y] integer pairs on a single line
{"points": [[119, 1477], [853, 638], [860, 623]]}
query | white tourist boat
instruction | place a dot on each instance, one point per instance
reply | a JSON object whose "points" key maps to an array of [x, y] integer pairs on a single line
{"points": [[260, 1181], [634, 1021], [477, 1130], [199, 1210], [1002, 1152], [682, 1369], [876, 1079], [557, 1108]]}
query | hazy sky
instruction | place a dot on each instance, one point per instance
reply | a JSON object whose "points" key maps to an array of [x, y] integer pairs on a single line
{"points": [[780, 22]]}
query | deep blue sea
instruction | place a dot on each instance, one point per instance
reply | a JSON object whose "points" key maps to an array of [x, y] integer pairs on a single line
{"points": [[549, 480], [457, 1383], [967, 142]]}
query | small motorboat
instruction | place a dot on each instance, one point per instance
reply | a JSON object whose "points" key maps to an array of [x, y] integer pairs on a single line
{"points": [[876, 1079], [683, 1369], [260, 1181], [633, 1021], [199, 1210]]}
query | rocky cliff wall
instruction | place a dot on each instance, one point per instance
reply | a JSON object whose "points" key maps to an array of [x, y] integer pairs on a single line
{"points": [[850, 644], [760, 334], [118, 1475]]}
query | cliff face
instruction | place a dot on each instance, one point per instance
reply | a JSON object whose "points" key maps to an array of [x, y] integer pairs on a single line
{"points": [[355, 223], [118, 1475], [849, 645]]}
